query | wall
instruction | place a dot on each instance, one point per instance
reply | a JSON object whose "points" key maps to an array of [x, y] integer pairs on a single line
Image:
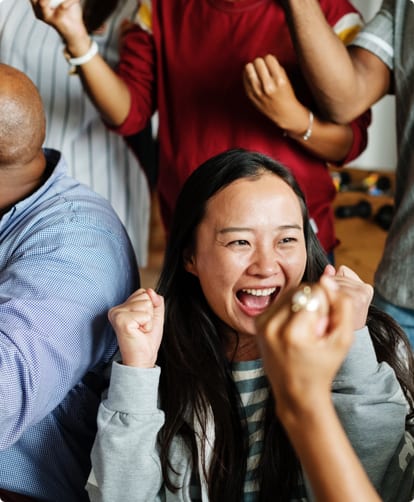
{"points": [[381, 152]]}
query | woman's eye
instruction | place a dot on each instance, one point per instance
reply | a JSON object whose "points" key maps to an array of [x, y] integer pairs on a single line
{"points": [[287, 240], [239, 242]]}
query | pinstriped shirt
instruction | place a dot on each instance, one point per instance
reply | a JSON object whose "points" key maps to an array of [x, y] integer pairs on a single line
{"points": [[95, 155]]}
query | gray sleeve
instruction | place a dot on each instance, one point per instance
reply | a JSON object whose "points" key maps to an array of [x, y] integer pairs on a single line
{"points": [[377, 36], [125, 461], [398, 481], [371, 406]]}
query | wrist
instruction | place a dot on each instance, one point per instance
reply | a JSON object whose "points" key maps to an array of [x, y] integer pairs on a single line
{"points": [[305, 131], [137, 360], [293, 412], [78, 46], [82, 59]]}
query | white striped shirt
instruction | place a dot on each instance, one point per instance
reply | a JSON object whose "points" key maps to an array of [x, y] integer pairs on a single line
{"points": [[95, 156], [254, 393]]}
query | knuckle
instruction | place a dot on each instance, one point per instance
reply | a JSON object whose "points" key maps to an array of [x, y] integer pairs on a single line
{"points": [[269, 88]]}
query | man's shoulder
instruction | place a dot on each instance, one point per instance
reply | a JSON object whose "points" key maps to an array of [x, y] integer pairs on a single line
{"points": [[62, 194]]}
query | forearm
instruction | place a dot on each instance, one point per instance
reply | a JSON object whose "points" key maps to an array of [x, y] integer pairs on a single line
{"points": [[129, 421], [326, 455], [344, 86], [326, 140], [105, 88]]}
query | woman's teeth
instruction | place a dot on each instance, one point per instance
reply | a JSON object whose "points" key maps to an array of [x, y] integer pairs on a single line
{"points": [[259, 292]]}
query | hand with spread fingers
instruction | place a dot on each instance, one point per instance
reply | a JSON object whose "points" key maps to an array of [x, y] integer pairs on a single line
{"points": [[138, 324], [269, 89], [303, 341]]}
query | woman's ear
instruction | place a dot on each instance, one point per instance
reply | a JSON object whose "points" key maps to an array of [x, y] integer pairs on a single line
{"points": [[190, 263]]}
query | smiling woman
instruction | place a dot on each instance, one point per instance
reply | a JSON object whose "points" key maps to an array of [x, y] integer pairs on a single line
{"points": [[189, 413], [249, 247]]}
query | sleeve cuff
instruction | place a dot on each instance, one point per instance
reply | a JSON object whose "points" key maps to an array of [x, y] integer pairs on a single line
{"points": [[133, 390]]}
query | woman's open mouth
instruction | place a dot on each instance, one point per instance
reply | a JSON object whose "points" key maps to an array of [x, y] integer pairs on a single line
{"points": [[254, 301]]}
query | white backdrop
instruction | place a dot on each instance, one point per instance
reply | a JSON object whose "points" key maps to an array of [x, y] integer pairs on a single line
{"points": [[381, 151]]}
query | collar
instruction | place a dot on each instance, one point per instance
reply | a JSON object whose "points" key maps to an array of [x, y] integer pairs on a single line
{"points": [[56, 167]]}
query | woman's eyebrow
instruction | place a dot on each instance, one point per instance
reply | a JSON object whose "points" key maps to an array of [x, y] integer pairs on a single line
{"points": [[227, 230]]}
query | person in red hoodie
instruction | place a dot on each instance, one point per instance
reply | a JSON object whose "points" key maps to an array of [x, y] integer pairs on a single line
{"points": [[221, 74]]}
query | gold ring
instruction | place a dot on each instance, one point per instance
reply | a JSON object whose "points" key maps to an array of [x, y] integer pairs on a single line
{"points": [[305, 300]]}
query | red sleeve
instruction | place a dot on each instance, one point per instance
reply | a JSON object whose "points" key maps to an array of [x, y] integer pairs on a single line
{"points": [[334, 10], [137, 67], [360, 130]]}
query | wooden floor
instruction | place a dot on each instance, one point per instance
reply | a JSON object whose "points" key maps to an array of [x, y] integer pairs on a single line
{"points": [[361, 240]]}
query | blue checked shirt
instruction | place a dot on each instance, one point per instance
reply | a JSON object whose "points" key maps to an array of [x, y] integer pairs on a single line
{"points": [[65, 259]]}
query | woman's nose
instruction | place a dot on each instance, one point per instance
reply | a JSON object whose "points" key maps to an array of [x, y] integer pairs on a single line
{"points": [[265, 262]]}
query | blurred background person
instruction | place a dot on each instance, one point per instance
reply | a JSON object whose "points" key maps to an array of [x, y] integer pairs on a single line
{"points": [[347, 81], [95, 155], [221, 74]]}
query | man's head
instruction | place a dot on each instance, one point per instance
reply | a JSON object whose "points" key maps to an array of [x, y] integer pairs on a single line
{"points": [[22, 119]]}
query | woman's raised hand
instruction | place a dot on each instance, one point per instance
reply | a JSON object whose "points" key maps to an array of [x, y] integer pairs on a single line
{"points": [[360, 291], [138, 324], [304, 339], [66, 18]]}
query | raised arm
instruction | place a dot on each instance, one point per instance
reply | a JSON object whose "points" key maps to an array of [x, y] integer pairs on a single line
{"points": [[129, 419], [346, 82], [269, 88], [105, 88]]}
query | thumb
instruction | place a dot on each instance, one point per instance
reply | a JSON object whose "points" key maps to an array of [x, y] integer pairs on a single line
{"points": [[329, 271], [157, 302]]}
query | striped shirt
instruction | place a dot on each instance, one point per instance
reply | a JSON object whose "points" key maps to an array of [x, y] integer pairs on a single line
{"points": [[253, 388], [254, 391], [95, 155]]}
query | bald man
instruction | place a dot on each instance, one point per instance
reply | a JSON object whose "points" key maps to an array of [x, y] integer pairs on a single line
{"points": [[65, 259]]}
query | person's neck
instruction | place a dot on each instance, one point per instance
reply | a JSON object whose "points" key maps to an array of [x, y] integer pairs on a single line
{"points": [[17, 182], [242, 348]]}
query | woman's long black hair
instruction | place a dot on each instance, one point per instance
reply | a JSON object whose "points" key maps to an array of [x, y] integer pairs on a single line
{"points": [[196, 375]]}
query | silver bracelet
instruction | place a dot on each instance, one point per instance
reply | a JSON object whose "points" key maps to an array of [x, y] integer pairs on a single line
{"points": [[308, 132]]}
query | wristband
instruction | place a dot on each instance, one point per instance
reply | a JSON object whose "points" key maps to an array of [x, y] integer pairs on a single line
{"points": [[91, 52], [308, 132], [55, 3]]}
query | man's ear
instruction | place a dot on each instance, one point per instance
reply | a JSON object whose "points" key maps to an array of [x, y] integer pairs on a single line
{"points": [[190, 263]]}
